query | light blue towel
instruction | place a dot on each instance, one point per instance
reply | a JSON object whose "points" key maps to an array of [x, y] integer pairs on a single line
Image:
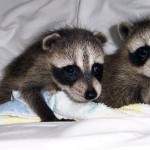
{"points": [[17, 107], [62, 106]]}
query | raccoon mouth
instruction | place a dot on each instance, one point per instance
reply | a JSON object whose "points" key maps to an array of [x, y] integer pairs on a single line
{"points": [[76, 97]]}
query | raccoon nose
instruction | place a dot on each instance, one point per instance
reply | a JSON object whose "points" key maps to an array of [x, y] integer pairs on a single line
{"points": [[90, 94]]}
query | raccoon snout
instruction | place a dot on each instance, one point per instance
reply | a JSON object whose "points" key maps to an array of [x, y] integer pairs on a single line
{"points": [[90, 94]]}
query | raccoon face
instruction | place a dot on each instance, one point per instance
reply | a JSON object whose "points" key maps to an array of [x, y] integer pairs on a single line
{"points": [[77, 63], [136, 39]]}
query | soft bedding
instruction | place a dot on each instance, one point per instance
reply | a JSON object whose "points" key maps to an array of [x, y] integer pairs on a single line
{"points": [[17, 111], [20, 22]]}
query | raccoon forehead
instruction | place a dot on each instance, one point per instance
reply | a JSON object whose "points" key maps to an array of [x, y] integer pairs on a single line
{"points": [[61, 61], [97, 56], [82, 56], [138, 40], [87, 55]]}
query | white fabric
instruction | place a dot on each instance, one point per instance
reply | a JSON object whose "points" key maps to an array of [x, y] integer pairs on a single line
{"points": [[96, 134], [20, 22]]}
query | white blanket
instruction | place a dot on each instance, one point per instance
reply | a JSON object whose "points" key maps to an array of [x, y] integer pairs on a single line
{"points": [[97, 134], [17, 111], [20, 22]]}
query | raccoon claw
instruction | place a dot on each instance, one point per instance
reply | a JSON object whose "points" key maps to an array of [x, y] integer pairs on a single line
{"points": [[53, 91]]}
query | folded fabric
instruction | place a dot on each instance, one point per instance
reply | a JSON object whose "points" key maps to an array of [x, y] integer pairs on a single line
{"points": [[17, 111]]}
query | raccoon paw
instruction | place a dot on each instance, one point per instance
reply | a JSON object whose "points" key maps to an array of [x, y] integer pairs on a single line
{"points": [[49, 119], [56, 120], [66, 119]]}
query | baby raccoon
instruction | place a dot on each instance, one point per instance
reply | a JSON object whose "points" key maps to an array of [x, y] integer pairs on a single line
{"points": [[127, 73], [68, 59]]}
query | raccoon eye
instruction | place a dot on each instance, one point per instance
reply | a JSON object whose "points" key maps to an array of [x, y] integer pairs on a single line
{"points": [[140, 56], [70, 69], [97, 69], [143, 51], [67, 75]]}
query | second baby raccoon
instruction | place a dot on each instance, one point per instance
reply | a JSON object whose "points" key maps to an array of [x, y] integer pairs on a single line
{"points": [[126, 78]]}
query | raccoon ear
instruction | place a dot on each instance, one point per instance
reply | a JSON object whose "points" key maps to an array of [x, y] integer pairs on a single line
{"points": [[49, 40], [124, 30], [101, 37]]}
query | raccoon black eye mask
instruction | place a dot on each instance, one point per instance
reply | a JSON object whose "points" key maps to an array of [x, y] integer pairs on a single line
{"points": [[140, 56], [57, 60], [97, 71], [67, 75], [71, 73]]}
